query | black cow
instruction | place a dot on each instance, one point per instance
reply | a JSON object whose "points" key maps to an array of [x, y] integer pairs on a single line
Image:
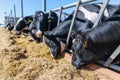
{"points": [[84, 22], [22, 24], [97, 43]]}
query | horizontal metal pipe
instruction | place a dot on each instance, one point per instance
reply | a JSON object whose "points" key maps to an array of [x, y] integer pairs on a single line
{"points": [[73, 4], [111, 66]]}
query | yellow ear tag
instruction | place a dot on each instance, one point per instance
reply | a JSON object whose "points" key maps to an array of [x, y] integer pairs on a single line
{"points": [[49, 20], [29, 20]]}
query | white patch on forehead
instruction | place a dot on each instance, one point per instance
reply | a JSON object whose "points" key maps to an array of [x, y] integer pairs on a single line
{"points": [[106, 13], [17, 23], [19, 20], [88, 15]]}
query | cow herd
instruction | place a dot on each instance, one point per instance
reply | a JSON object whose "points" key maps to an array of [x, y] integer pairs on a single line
{"points": [[87, 43]]}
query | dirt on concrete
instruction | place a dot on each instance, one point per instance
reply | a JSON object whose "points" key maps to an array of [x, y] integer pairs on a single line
{"points": [[23, 59]]}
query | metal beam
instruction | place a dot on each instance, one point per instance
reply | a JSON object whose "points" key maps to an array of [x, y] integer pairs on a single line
{"points": [[112, 66], [14, 14], [11, 13], [44, 5], [22, 9], [60, 14], [73, 4], [72, 22], [105, 3]]}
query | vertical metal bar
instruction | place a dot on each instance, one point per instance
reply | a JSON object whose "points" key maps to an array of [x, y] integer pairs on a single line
{"points": [[11, 13], [14, 14], [72, 22], [44, 5], [101, 12], [11, 17], [60, 14], [43, 9], [22, 8]]}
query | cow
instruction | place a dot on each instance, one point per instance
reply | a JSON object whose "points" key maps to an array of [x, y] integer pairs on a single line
{"points": [[22, 24], [85, 19], [97, 43], [9, 27], [43, 22]]}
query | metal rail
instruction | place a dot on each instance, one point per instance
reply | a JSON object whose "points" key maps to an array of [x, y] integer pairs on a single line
{"points": [[105, 3], [72, 23], [59, 18], [111, 66], [73, 4]]}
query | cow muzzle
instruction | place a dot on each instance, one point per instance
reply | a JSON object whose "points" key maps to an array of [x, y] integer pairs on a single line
{"points": [[39, 34], [17, 32]]}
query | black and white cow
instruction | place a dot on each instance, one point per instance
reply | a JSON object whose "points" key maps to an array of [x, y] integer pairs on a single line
{"points": [[97, 43], [9, 27], [43, 22], [22, 24], [86, 16]]}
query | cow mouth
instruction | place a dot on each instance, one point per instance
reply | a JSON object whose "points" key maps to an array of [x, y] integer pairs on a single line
{"points": [[17, 32], [39, 34]]}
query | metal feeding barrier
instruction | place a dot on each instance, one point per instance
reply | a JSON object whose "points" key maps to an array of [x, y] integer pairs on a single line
{"points": [[109, 61]]}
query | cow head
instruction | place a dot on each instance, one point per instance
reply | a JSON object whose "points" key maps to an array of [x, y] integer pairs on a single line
{"points": [[81, 55], [9, 27], [44, 22], [22, 23], [39, 23]]}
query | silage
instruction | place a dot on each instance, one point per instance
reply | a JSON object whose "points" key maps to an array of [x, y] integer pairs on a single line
{"points": [[23, 59]]}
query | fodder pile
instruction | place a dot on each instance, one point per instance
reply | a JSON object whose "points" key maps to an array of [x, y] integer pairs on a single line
{"points": [[23, 59]]}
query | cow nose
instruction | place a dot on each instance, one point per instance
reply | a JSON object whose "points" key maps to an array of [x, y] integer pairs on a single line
{"points": [[39, 34]]}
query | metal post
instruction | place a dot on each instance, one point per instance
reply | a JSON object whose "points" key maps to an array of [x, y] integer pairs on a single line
{"points": [[60, 14], [101, 12], [11, 18], [22, 8], [14, 14], [72, 22], [43, 9], [44, 5], [11, 13]]}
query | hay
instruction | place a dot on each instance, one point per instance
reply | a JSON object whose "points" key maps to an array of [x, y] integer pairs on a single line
{"points": [[22, 59]]}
